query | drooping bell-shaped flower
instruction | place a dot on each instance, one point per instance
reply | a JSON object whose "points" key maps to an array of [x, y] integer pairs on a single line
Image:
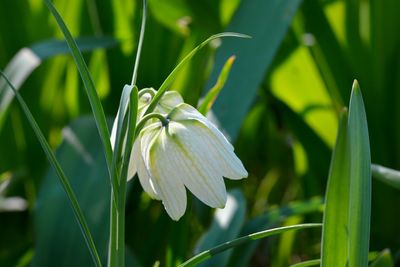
{"points": [[168, 101], [186, 152]]}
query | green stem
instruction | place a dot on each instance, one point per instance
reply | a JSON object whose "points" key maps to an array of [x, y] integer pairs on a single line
{"points": [[112, 246], [142, 122]]}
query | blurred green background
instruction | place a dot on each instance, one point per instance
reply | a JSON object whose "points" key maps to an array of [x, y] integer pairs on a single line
{"points": [[279, 107]]}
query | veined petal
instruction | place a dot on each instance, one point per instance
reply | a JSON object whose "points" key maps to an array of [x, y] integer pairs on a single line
{"points": [[233, 167], [166, 178], [169, 101], [189, 155]]}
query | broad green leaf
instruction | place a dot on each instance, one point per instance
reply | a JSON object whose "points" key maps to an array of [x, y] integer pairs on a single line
{"points": [[94, 99], [267, 22], [334, 248], [384, 259], [205, 255], [386, 175], [58, 241], [225, 226], [241, 256], [360, 181], [307, 263], [73, 201], [212, 95], [298, 83]]}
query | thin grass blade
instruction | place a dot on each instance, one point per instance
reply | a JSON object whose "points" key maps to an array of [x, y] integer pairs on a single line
{"points": [[94, 99], [307, 263], [334, 247], [360, 181], [139, 48], [60, 173], [171, 76], [212, 95], [242, 240]]}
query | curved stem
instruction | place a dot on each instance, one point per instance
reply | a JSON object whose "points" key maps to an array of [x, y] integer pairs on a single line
{"points": [[164, 121], [147, 90]]}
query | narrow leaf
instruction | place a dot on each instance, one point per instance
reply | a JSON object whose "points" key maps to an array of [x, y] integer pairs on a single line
{"points": [[386, 175], [94, 99], [60, 173], [335, 224], [171, 76], [212, 95], [307, 263], [360, 181], [242, 240]]}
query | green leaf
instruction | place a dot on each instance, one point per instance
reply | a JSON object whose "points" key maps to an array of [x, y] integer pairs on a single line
{"points": [[94, 99], [384, 259], [360, 181], [61, 176], [334, 248], [226, 225], [386, 175], [242, 240], [58, 240], [212, 95], [307, 263], [267, 22], [186, 59]]}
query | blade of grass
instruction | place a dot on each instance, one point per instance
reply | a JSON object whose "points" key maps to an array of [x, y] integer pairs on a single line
{"points": [[242, 240], [307, 263], [139, 48], [171, 76], [386, 175], [214, 91], [94, 99], [360, 181], [60, 173], [334, 247]]}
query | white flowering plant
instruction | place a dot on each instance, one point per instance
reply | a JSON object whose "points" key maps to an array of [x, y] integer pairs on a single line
{"points": [[173, 148]]}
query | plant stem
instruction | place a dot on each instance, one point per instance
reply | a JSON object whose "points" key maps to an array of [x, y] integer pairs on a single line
{"points": [[112, 246]]}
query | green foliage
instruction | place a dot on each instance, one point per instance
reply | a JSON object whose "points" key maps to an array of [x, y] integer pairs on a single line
{"points": [[280, 106]]}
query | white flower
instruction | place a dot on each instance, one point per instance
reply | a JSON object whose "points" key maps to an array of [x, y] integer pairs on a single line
{"points": [[188, 152], [168, 101]]}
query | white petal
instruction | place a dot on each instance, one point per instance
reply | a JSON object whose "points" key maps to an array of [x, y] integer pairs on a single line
{"points": [[167, 183], [169, 101], [232, 167], [138, 164], [190, 158]]}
